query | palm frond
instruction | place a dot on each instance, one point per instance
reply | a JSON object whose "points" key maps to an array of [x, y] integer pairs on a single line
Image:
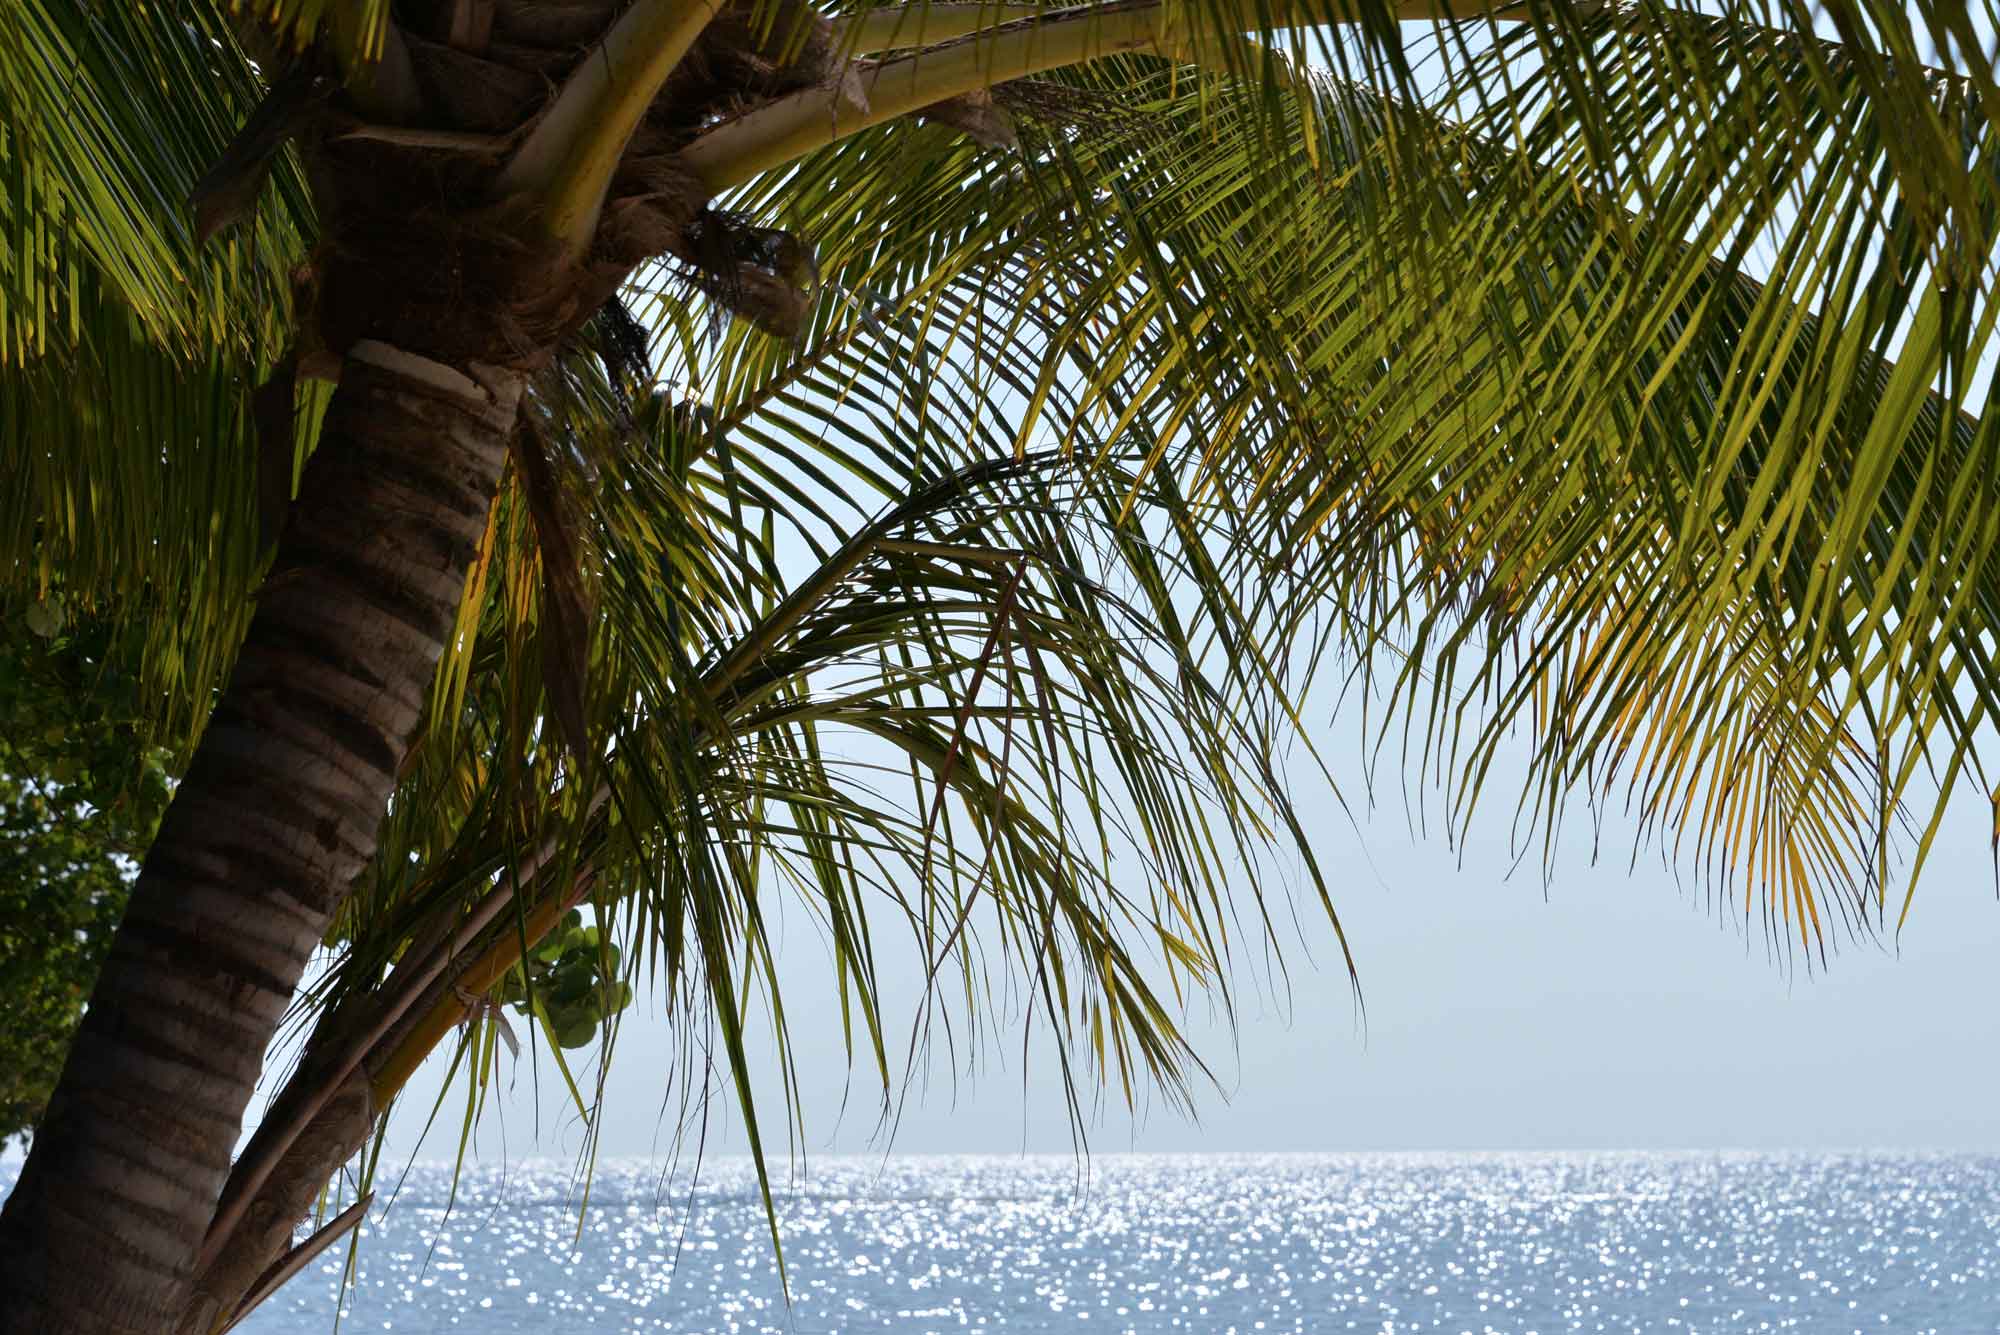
{"points": [[128, 456], [110, 114], [1610, 376]]}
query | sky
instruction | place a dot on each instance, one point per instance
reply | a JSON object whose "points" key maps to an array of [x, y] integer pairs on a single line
{"points": [[1606, 1006]]}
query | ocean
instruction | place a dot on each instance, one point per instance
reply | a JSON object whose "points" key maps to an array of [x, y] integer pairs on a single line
{"points": [[1145, 1244]]}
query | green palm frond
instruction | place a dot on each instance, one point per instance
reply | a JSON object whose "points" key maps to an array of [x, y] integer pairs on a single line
{"points": [[109, 115], [130, 486], [968, 631], [1352, 367], [1609, 378], [129, 477], [1734, 407], [1377, 360]]}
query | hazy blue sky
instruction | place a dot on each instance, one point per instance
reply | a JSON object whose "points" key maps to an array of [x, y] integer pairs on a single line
{"points": [[1616, 1012]]}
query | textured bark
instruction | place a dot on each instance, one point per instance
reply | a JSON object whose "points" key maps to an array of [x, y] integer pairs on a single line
{"points": [[278, 813]]}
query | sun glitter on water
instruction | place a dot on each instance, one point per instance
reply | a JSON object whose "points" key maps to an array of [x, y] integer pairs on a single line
{"points": [[1218, 1245]]}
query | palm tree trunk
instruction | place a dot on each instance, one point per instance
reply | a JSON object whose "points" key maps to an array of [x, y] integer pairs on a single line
{"points": [[277, 815]]}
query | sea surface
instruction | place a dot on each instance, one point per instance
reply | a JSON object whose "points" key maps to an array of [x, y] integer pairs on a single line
{"points": [[1202, 1243]]}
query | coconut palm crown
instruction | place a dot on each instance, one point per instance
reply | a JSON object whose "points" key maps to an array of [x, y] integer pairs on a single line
{"points": [[667, 458]]}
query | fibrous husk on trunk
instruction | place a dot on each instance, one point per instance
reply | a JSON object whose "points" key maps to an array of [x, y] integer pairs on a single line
{"points": [[413, 235]]}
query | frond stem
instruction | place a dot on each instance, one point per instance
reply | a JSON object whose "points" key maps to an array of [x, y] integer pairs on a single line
{"points": [[790, 127], [478, 979], [297, 1259], [568, 159]]}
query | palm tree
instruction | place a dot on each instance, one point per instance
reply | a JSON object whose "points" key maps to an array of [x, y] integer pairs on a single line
{"points": [[1607, 372]]}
